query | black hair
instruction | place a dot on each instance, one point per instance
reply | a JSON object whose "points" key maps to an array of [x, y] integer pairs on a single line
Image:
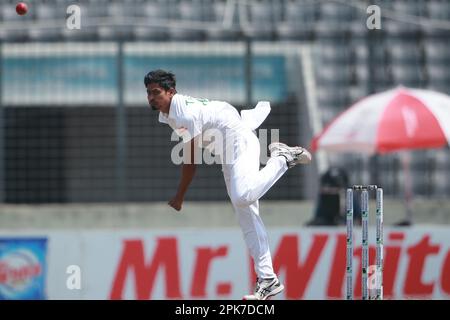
{"points": [[164, 79]]}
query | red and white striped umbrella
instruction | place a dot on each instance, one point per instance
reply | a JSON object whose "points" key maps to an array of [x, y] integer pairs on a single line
{"points": [[398, 119]]}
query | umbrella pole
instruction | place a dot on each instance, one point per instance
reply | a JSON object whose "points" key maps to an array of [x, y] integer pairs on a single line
{"points": [[408, 188]]}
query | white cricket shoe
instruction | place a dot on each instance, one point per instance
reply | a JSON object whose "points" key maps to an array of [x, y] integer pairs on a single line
{"points": [[265, 289], [293, 155]]}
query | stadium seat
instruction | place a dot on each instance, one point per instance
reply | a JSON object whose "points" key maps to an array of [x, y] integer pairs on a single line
{"points": [[332, 74], [378, 52], [155, 10], [332, 96], [122, 9], [362, 72], [298, 20], [150, 33], [358, 27], [405, 52], [406, 15], [8, 13], [95, 10], [438, 74], [439, 86], [360, 50], [324, 29], [259, 17], [408, 75], [356, 93], [439, 13], [111, 33], [399, 29], [329, 113], [437, 52], [332, 15], [441, 160], [151, 18], [410, 7], [14, 35], [45, 34], [187, 21], [188, 11], [225, 18], [338, 52], [336, 12], [438, 9], [45, 11]]}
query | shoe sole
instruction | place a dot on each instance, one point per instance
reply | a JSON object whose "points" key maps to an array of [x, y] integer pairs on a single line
{"points": [[274, 145], [302, 160], [274, 292], [269, 296]]}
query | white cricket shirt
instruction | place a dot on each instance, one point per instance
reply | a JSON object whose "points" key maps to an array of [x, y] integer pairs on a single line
{"points": [[223, 130]]}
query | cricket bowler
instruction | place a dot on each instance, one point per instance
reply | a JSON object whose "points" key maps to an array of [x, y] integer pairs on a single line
{"points": [[239, 152]]}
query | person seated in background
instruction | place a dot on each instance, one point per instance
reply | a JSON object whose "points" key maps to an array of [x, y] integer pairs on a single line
{"points": [[330, 209]]}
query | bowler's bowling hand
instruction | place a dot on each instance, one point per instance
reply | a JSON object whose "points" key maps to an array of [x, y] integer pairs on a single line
{"points": [[176, 203]]}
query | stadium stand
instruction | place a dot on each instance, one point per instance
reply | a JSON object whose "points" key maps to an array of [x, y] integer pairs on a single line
{"points": [[350, 62]]}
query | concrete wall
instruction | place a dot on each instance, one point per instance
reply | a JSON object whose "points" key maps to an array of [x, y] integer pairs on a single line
{"points": [[193, 214]]}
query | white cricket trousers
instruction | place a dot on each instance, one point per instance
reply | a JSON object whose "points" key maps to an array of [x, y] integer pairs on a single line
{"points": [[245, 185]]}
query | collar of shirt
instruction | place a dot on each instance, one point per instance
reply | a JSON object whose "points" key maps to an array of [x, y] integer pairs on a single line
{"points": [[164, 117]]}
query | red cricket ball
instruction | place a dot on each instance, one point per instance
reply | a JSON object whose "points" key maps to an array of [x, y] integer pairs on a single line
{"points": [[21, 8]]}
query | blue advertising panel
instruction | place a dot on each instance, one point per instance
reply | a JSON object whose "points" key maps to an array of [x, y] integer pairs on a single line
{"points": [[59, 80], [23, 268], [90, 78], [213, 77]]}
